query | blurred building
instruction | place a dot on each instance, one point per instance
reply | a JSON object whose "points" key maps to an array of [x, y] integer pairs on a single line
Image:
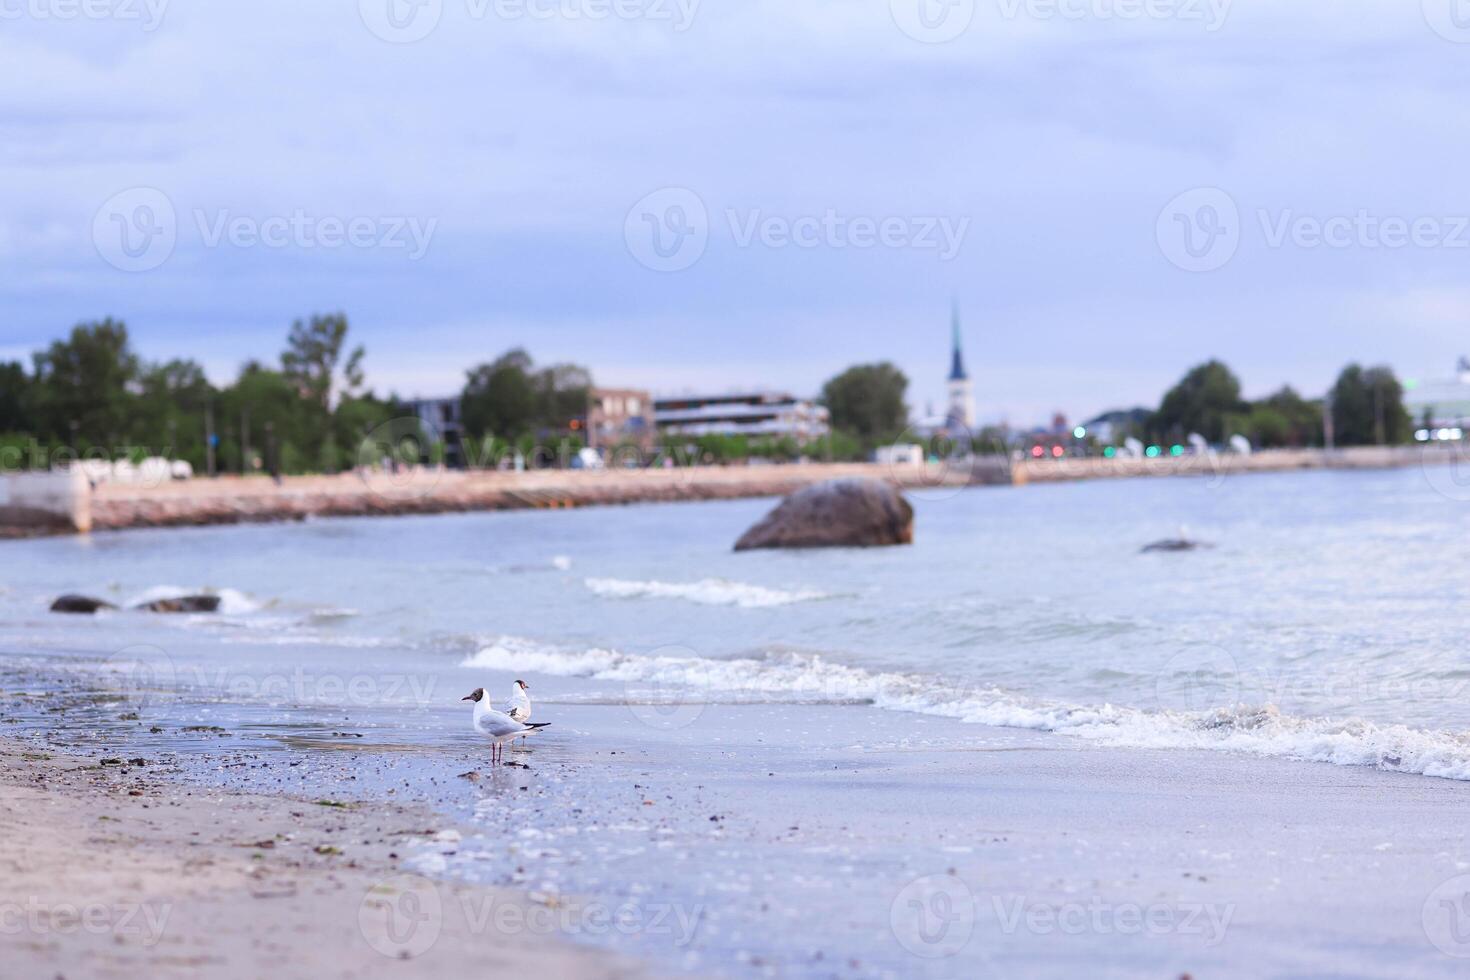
{"points": [[620, 417], [756, 414], [442, 421], [1436, 405]]}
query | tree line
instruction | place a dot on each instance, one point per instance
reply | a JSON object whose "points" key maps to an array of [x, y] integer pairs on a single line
{"points": [[1366, 408], [89, 394]]}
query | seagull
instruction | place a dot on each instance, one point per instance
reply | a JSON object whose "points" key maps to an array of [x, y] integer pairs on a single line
{"points": [[519, 705], [498, 725]]}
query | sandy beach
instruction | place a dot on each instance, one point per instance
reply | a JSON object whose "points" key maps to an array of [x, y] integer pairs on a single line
{"points": [[933, 849], [115, 868]]}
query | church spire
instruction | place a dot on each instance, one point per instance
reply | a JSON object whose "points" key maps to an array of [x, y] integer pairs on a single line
{"points": [[957, 366]]}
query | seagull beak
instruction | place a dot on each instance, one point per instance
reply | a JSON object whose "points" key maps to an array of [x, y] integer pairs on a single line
{"points": [[468, 697]]}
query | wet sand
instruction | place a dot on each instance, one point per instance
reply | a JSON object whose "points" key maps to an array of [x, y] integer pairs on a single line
{"points": [[112, 869], [784, 840], [691, 835]]}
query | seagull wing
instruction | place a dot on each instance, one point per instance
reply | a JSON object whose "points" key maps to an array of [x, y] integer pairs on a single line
{"points": [[519, 707], [498, 723]]}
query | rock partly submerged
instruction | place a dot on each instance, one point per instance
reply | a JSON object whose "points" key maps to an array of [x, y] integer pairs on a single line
{"points": [[86, 605], [850, 513], [79, 604], [183, 604], [1180, 543]]}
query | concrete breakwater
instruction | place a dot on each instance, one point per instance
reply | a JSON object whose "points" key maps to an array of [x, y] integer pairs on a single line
{"points": [[1219, 466], [231, 500], [40, 503]]}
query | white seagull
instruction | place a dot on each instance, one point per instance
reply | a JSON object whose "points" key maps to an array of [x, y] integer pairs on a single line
{"points": [[519, 705], [499, 726]]}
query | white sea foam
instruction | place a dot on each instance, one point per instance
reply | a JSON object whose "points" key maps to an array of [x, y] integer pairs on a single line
{"points": [[1259, 730], [707, 592]]}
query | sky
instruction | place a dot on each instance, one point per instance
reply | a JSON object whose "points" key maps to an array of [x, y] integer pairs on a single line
{"points": [[717, 194]]}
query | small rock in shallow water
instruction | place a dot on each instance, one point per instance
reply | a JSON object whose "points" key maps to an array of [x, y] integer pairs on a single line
{"points": [[79, 604]]}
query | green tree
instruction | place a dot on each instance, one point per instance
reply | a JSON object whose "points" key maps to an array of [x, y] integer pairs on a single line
{"points": [[313, 353], [82, 385], [499, 398], [15, 398], [264, 406], [561, 391], [169, 414], [356, 418], [1203, 402], [1298, 421], [1368, 407], [1264, 426], [867, 400], [509, 398]]}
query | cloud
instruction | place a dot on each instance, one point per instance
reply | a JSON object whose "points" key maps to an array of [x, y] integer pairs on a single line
{"points": [[1058, 132]]}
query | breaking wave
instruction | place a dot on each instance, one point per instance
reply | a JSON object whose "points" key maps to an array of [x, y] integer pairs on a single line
{"points": [[787, 676], [707, 592]]}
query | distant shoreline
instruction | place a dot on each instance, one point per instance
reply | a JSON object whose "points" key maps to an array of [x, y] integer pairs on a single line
{"points": [[65, 505]]}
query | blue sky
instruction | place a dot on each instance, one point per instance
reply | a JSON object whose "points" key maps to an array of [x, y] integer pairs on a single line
{"points": [[469, 175]]}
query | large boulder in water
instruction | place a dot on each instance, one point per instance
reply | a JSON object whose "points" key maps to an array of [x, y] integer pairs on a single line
{"points": [[856, 513], [183, 604], [79, 604]]}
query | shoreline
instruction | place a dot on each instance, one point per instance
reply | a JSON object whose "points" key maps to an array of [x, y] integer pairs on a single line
{"points": [[45, 504], [1054, 857], [121, 869]]}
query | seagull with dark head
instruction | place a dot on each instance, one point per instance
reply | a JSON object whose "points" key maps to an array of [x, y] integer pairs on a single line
{"points": [[498, 726], [519, 705]]}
